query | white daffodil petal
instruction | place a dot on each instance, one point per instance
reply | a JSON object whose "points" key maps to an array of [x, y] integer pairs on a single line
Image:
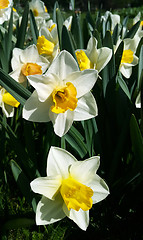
{"points": [[104, 56], [83, 81], [49, 211], [84, 171], [81, 218], [58, 162], [44, 84], [29, 54], [99, 188], [15, 75], [36, 111], [46, 186], [91, 51], [62, 122], [130, 44], [63, 65], [86, 108], [15, 61], [126, 71]]}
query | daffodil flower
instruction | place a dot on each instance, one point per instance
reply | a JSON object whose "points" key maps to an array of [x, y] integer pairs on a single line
{"points": [[62, 95], [47, 42], [115, 19], [7, 103], [39, 9], [129, 59], [27, 62], [92, 57], [70, 188], [139, 33], [5, 10]]}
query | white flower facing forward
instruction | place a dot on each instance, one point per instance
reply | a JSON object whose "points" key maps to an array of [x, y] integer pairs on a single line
{"points": [[27, 62], [7, 103], [5, 10], [62, 95], [93, 58], [129, 59], [70, 188]]}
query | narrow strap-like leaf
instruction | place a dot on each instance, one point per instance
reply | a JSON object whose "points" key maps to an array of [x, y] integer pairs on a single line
{"points": [[131, 33], [34, 29], [23, 28], [67, 43], [14, 88]]}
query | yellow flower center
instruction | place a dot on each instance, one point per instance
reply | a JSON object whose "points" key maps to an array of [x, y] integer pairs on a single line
{"points": [[76, 195], [4, 4], [51, 28], [35, 12], [31, 69], [83, 60], [141, 23], [10, 100], [127, 56], [64, 98], [14, 9], [46, 9], [45, 46]]}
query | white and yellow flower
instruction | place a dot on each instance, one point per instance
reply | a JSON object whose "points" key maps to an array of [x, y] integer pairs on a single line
{"points": [[70, 188], [5, 10], [62, 94], [27, 62], [92, 57], [39, 9], [7, 103], [129, 59], [47, 42]]}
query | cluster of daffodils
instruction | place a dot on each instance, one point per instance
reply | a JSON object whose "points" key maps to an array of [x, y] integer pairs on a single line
{"points": [[62, 93]]}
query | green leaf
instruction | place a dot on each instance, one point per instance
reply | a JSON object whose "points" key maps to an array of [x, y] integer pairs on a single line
{"points": [[131, 33], [59, 20], [140, 69], [124, 86], [22, 28], [23, 183], [72, 2], [8, 37], [14, 88], [75, 139], [77, 32], [118, 56], [90, 20], [67, 43], [19, 148], [115, 34], [88, 128], [56, 5], [137, 142], [34, 29]]}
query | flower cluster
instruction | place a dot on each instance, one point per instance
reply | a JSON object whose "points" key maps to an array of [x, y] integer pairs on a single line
{"points": [[61, 82]]}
